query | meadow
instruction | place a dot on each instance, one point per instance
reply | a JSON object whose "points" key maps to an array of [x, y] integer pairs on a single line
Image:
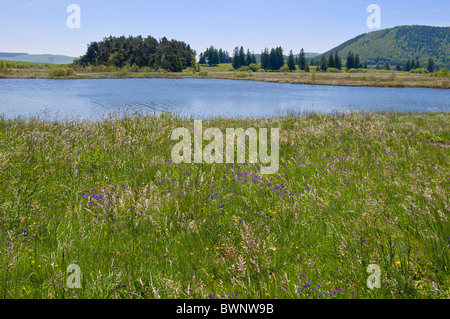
{"points": [[363, 77], [352, 189]]}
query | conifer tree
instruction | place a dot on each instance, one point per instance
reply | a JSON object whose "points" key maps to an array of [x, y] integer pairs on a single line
{"points": [[430, 66], [302, 60], [331, 63], [291, 62]]}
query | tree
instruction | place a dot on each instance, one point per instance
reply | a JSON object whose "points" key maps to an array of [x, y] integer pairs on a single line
{"points": [[174, 63], [248, 58], [235, 60], [302, 60], [276, 58], [357, 62], [337, 61], [323, 64], [331, 63], [430, 65], [398, 67], [202, 59], [241, 57], [194, 64], [265, 64], [291, 62], [350, 61], [408, 66]]}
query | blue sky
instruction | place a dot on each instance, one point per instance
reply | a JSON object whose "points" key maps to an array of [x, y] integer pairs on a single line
{"points": [[39, 26]]}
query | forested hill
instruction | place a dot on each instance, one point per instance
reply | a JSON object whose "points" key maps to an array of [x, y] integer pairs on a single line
{"points": [[399, 44], [121, 51]]}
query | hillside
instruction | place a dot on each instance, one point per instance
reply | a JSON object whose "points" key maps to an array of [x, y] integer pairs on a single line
{"points": [[36, 58], [397, 45]]}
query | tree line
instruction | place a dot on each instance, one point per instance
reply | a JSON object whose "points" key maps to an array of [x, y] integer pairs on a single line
{"points": [[213, 57], [139, 52]]}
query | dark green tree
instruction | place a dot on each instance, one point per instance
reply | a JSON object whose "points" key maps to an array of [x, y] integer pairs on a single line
{"points": [[235, 60], [337, 61], [331, 63], [302, 60], [291, 62], [265, 59], [241, 57], [323, 64], [430, 65], [350, 61]]}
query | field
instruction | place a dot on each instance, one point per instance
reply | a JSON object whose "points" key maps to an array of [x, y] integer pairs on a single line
{"points": [[370, 77], [352, 190]]}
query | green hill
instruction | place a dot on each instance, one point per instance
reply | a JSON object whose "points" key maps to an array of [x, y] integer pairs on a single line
{"points": [[36, 58], [397, 45]]}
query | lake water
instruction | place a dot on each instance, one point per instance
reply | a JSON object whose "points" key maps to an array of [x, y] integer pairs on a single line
{"points": [[201, 98]]}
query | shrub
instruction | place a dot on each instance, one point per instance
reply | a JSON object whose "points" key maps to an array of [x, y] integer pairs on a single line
{"points": [[244, 68], [442, 73], [333, 70], [254, 67], [419, 70], [242, 75], [58, 72], [284, 68], [134, 68], [203, 73]]}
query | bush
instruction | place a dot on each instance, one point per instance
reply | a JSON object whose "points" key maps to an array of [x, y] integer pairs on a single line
{"points": [[442, 73], [134, 68], [242, 75], [284, 68], [254, 67], [333, 70], [203, 73], [161, 70], [419, 70], [244, 68], [58, 72]]}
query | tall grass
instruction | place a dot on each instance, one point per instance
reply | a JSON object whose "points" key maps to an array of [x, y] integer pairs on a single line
{"points": [[352, 190]]}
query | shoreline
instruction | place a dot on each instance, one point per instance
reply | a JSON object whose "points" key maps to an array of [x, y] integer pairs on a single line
{"points": [[392, 80]]}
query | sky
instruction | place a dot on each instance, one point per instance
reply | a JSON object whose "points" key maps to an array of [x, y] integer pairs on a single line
{"points": [[40, 26]]}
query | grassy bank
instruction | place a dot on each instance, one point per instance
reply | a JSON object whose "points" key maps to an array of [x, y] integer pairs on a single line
{"points": [[369, 77], [352, 190]]}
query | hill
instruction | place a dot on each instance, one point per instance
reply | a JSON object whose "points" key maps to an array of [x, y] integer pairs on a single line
{"points": [[36, 58], [397, 45]]}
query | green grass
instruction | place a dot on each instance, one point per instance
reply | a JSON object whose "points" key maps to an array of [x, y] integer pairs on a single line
{"points": [[223, 67], [352, 190]]}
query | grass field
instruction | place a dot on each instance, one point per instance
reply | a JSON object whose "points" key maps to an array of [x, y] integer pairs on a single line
{"points": [[370, 77], [351, 190]]}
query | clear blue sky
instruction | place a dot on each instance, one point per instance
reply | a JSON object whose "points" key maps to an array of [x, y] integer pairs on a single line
{"points": [[39, 26]]}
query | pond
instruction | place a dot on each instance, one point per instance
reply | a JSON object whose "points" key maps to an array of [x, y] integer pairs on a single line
{"points": [[203, 98]]}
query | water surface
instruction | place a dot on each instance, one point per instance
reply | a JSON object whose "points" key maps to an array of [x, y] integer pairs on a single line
{"points": [[200, 98]]}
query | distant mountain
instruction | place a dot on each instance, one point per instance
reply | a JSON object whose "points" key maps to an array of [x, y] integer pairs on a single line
{"points": [[36, 58], [397, 45]]}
